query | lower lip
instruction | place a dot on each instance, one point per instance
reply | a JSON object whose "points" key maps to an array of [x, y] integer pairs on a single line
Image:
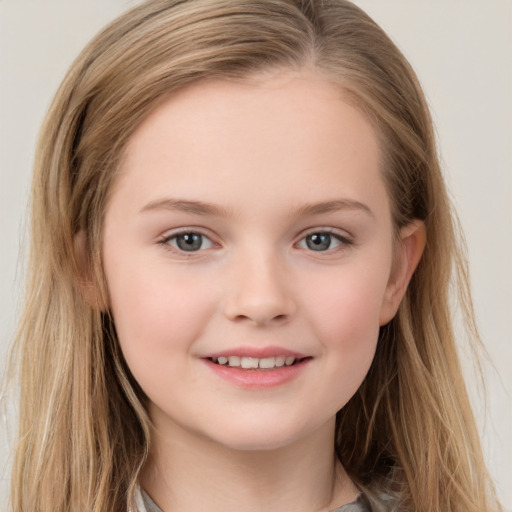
{"points": [[258, 379]]}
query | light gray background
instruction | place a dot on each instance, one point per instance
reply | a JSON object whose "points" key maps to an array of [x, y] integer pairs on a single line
{"points": [[462, 52]]}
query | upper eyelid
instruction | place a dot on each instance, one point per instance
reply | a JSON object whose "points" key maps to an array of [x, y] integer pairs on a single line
{"points": [[184, 231], [345, 241], [341, 233], [165, 241], [337, 232]]}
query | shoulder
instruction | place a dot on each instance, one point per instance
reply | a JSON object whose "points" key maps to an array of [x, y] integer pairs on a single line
{"points": [[360, 505]]}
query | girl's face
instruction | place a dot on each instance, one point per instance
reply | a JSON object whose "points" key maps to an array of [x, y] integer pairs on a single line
{"points": [[250, 227]]}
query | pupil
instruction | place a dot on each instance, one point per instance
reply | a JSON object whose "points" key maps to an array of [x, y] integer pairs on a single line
{"points": [[189, 242], [318, 241]]}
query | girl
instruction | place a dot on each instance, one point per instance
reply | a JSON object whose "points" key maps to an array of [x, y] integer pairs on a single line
{"points": [[238, 291]]}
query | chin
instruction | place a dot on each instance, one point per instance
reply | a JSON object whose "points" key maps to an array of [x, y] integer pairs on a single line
{"points": [[259, 437]]}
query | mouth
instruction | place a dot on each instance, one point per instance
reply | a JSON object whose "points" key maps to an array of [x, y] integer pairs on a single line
{"points": [[254, 363], [257, 368]]}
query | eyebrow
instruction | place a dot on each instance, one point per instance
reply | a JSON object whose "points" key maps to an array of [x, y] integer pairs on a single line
{"points": [[195, 207], [202, 208], [333, 207]]}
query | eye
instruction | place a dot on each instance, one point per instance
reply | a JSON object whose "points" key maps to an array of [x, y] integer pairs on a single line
{"points": [[188, 241], [322, 241]]}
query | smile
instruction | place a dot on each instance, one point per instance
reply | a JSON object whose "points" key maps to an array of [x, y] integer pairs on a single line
{"points": [[257, 368], [254, 363]]}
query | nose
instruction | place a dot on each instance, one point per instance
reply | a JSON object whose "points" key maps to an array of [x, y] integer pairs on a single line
{"points": [[260, 292]]}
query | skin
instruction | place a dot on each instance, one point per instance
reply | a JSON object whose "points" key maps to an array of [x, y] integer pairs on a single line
{"points": [[263, 155]]}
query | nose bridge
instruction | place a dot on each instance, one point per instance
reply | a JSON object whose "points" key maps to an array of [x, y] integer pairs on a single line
{"points": [[260, 290]]}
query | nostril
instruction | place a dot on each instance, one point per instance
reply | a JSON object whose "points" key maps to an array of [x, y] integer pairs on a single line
{"points": [[262, 319], [260, 304]]}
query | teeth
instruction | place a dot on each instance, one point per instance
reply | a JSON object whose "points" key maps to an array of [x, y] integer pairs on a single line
{"points": [[248, 363], [267, 362], [280, 361]]}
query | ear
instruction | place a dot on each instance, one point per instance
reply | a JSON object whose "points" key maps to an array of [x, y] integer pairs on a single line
{"points": [[407, 256], [87, 283]]}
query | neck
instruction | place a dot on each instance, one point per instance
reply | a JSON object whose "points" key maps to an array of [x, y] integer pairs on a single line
{"points": [[186, 472]]}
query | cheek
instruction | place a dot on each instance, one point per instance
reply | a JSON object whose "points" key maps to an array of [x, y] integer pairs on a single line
{"points": [[156, 312], [345, 313], [347, 307]]}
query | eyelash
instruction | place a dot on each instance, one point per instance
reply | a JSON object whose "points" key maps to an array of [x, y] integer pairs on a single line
{"points": [[343, 241], [165, 242]]}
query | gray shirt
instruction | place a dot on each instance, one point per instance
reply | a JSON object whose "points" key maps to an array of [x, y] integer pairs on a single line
{"points": [[360, 505]]}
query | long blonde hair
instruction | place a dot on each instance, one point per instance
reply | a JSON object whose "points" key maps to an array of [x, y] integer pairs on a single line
{"points": [[408, 436]]}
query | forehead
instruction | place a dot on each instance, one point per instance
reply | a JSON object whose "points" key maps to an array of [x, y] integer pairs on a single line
{"points": [[302, 96], [271, 131]]}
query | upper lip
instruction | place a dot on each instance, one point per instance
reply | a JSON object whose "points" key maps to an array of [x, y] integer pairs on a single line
{"points": [[256, 353]]}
